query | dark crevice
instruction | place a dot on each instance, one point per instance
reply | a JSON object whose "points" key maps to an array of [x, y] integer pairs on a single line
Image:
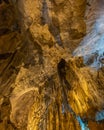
{"points": [[4, 31], [6, 1], [15, 27], [61, 68], [5, 56], [12, 57]]}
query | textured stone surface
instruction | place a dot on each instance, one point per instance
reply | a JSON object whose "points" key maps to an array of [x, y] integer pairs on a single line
{"points": [[42, 86]]}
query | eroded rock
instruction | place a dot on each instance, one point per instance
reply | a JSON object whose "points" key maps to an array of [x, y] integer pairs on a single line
{"points": [[42, 86]]}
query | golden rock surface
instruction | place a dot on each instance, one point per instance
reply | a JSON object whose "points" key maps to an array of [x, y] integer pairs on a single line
{"points": [[42, 86]]}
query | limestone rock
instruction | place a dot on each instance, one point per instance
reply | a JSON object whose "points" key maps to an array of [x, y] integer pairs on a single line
{"points": [[43, 86]]}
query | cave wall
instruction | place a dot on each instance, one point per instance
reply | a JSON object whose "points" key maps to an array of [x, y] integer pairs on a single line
{"points": [[42, 86]]}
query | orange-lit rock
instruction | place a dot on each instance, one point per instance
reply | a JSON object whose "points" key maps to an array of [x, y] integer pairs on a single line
{"points": [[42, 86]]}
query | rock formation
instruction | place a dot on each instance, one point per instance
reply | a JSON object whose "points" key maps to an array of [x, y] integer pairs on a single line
{"points": [[51, 65]]}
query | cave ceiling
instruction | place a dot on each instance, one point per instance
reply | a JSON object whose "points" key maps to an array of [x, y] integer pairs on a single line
{"points": [[51, 65]]}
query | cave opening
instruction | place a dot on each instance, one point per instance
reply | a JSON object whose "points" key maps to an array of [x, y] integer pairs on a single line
{"points": [[61, 68]]}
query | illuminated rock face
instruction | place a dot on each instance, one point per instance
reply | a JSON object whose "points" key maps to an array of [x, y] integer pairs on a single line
{"points": [[42, 87], [92, 47]]}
